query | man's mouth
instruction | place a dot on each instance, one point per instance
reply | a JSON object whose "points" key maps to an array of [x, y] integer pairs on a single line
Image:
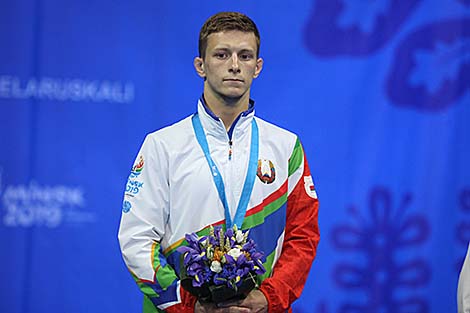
{"points": [[233, 80]]}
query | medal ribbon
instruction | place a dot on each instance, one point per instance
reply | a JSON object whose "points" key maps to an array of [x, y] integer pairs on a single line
{"points": [[218, 180]]}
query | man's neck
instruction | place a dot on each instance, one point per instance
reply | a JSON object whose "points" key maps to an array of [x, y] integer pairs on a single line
{"points": [[227, 109]]}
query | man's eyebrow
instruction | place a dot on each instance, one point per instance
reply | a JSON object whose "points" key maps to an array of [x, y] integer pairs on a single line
{"points": [[221, 48], [230, 49]]}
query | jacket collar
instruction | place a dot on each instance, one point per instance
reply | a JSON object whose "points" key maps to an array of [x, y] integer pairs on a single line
{"points": [[214, 126]]}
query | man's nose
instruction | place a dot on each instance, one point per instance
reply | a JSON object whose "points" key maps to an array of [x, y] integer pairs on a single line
{"points": [[235, 68]]}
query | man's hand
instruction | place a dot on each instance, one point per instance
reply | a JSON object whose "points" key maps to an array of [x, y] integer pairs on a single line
{"points": [[255, 302], [212, 308]]}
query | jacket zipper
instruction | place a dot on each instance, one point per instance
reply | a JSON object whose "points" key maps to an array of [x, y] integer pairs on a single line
{"points": [[230, 150]]}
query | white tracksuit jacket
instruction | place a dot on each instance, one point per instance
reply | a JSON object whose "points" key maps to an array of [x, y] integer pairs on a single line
{"points": [[170, 192]]}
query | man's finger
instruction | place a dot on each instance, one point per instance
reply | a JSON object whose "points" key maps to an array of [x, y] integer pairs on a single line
{"points": [[229, 303], [237, 309]]}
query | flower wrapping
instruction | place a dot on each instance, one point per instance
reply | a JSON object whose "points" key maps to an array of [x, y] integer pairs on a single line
{"points": [[221, 266]]}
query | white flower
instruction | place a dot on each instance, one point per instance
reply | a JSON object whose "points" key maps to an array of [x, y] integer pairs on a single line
{"points": [[239, 236], [216, 266], [210, 252], [235, 253]]}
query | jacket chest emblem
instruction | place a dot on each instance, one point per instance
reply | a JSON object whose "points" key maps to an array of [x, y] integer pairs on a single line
{"points": [[266, 171]]}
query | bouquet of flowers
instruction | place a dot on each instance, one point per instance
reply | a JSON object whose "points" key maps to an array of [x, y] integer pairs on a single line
{"points": [[221, 266]]}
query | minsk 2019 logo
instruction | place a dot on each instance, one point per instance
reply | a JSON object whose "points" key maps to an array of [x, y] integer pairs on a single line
{"points": [[266, 171], [138, 167], [34, 204], [133, 186]]}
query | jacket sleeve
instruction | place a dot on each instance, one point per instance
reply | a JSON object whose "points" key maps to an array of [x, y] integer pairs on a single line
{"points": [[144, 215], [463, 287], [300, 239]]}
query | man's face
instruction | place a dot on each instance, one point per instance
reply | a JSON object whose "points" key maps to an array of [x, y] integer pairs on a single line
{"points": [[229, 65]]}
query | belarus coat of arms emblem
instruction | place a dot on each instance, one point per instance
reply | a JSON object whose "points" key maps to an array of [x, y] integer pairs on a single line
{"points": [[266, 171]]}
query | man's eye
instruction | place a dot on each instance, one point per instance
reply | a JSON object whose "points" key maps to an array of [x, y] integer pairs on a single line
{"points": [[221, 55], [246, 57]]}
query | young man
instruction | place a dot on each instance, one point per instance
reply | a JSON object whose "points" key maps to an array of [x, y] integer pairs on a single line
{"points": [[220, 166]]}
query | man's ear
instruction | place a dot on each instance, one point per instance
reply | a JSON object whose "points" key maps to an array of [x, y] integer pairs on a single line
{"points": [[259, 67], [199, 66]]}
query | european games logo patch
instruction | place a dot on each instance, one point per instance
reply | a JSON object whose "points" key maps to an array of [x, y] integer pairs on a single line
{"points": [[138, 167], [133, 186], [266, 171]]}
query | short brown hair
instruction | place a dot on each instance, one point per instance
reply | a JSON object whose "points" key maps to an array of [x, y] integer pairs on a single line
{"points": [[226, 21]]}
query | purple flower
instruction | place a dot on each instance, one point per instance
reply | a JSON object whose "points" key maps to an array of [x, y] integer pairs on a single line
{"points": [[221, 258], [249, 246], [229, 259]]}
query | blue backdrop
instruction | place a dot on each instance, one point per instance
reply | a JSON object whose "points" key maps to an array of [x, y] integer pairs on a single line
{"points": [[378, 91]]}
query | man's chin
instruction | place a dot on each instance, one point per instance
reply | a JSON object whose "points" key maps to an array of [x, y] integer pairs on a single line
{"points": [[232, 98], [234, 94]]}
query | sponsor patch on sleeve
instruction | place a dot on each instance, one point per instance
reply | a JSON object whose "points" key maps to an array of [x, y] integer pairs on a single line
{"points": [[310, 187]]}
